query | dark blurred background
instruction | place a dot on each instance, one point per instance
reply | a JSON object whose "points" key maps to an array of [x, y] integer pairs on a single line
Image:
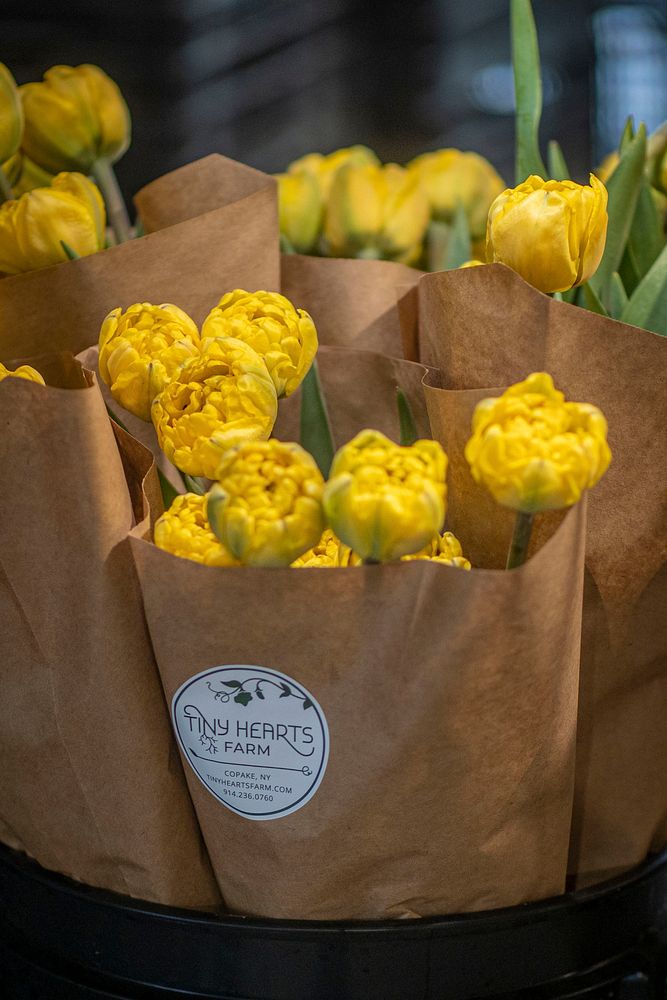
{"points": [[264, 81]]}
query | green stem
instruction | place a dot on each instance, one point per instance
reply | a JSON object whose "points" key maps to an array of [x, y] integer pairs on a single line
{"points": [[71, 254], [520, 540], [106, 181], [5, 187]]}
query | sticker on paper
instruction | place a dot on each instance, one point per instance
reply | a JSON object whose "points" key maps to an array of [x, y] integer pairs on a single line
{"points": [[255, 738]]}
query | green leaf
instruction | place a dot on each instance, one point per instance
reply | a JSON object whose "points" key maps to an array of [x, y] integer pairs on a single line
{"points": [[646, 236], [139, 228], [527, 90], [459, 244], [194, 484], [557, 166], [72, 254], [647, 306], [617, 297], [629, 271], [307, 703], [437, 241], [285, 245], [591, 301], [623, 186], [408, 430], [287, 693], [570, 295], [232, 684], [316, 436], [259, 693], [627, 135], [243, 697], [169, 494]]}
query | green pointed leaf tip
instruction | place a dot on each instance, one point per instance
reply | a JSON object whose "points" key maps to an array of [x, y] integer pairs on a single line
{"points": [[169, 494], [627, 135], [617, 298], [408, 429], [527, 90], [591, 301], [316, 436], [558, 170], [71, 254], [647, 307]]}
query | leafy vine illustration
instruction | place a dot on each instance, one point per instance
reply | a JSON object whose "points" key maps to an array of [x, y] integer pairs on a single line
{"points": [[237, 691], [208, 743]]}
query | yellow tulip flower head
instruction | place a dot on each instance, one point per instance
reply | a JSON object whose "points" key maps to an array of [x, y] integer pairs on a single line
{"points": [[215, 401], [76, 116], [383, 500], [375, 211], [24, 372], [446, 549], [300, 209], [267, 506], [327, 553], [551, 232], [33, 226], [141, 349], [184, 531], [325, 168], [533, 450], [11, 115], [283, 336], [451, 177]]}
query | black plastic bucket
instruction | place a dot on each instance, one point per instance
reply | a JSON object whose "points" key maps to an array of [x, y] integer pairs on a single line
{"points": [[60, 940]]}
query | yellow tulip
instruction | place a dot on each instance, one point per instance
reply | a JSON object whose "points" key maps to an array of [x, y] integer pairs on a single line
{"points": [[11, 168], [324, 168], [383, 500], [184, 531], [375, 211], [451, 177], [533, 450], [141, 349], [445, 548], [328, 552], [471, 263], [551, 232], [300, 210], [24, 371], [215, 401], [267, 506], [33, 226], [11, 115], [283, 336], [75, 117]]}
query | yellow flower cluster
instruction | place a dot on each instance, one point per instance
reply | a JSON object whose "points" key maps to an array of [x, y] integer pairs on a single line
{"points": [[33, 226], [533, 450], [184, 531], [283, 336], [24, 372], [383, 500], [551, 232], [267, 506], [445, 548], [328, 552], [452, 177]]}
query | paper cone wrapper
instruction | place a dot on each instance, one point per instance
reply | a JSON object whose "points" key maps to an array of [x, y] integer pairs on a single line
{"points": [[486, 327], [212, 226], [90, 780]]}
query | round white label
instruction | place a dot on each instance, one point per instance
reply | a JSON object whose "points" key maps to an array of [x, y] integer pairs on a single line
{"points": [[255, 738]]}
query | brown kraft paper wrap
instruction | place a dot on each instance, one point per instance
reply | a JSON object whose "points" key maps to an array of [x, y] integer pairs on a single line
{"points": [[212, 226], [451, 701], [90, 780], [486, 327]]}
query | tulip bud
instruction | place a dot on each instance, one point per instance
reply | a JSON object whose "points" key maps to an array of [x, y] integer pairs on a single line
{"points": [[24, 371], [327, 553], [450, 177], [141, 349], [383, 500], [11, 115], [284, 337], [267, 506], [324, 168], [75, 117], [376, 212], [446, 549], [215, 401], [533, 451], [300, 210], [33, 228], [551, 232], [184, 531]]}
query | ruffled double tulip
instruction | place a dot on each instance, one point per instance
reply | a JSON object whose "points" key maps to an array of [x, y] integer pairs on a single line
{"points": [[23, 371], [328, 553], [300, 209], [218, 399], [184, 531], [267, 505], [383, 500], [446, 549], [34, 226], [551, 232], [533, 450], [283, 336], [451, 177], [11, 115], [376, 212], [74, 118], [325, 168], [141, 349]]}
